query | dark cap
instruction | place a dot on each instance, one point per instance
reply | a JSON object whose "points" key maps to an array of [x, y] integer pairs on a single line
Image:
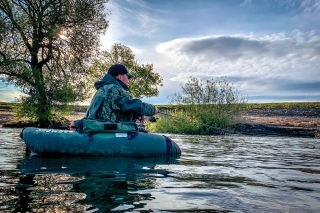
{"points": [[117, 69]]}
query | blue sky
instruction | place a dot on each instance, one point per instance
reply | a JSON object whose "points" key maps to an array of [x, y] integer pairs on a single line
{"points": [[268, 49]]}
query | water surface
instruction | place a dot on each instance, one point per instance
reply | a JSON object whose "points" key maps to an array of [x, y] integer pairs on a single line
{"points": [[213, 174]]}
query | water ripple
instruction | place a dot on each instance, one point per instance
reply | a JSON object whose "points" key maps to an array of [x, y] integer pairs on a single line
{"points": [[214, 174]]}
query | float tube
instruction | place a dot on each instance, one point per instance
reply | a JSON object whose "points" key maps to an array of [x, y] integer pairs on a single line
{"points": [[66, 142]]}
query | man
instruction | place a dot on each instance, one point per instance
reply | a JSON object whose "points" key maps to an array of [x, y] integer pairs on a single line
{"points": [[113, 102]]}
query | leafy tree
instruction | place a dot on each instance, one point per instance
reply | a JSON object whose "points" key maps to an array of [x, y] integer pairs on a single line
{"points": [[145, 82], [45, 49]]}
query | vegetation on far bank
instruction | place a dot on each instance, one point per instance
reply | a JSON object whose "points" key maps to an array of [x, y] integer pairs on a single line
{"points": [[164, 107], [266, 106]]}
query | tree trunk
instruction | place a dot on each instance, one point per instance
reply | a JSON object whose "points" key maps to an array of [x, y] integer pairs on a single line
{"points": [[43, 106]]}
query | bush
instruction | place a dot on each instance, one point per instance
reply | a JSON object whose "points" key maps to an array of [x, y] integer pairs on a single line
{"points": [[203, 107]]}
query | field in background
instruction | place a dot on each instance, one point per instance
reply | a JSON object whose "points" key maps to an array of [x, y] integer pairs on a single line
{"points": [[7, 107], [284, 105]]}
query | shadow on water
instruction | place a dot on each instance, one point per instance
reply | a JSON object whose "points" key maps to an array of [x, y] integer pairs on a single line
{"points": [[91, 184]]}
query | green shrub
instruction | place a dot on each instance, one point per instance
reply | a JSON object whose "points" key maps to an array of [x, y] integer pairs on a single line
{"points": [[203, 107]]}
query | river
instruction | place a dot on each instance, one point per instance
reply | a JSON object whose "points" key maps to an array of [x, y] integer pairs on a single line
{"points": [[213, 174]]}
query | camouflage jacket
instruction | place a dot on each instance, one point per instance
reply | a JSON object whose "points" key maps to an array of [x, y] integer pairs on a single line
{"points": [[113, 102]]}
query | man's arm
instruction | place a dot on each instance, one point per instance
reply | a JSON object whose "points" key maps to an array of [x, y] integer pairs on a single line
{"points": [[136, 106]]}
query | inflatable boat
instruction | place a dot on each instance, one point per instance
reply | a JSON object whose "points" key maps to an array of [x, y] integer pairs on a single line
{"points": [[66, 142]]}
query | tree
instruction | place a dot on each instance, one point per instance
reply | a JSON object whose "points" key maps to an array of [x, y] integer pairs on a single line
{"points": [[145, 82], [45, 49]]}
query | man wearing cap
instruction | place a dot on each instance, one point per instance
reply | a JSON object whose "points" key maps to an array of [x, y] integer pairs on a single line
{"points": [[113, 102]]}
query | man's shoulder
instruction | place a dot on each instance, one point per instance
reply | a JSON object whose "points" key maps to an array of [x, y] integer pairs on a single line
{"points": [[110, 87], [114, 89]]}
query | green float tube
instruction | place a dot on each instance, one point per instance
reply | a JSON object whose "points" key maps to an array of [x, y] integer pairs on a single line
{"points": [[66, 142]]}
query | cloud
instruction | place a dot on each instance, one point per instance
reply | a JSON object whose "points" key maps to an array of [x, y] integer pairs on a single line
{"points": [[245, 2], [132, 23], [9, 96], [232, 48], [9, 93], [285, 98], [246, 55], [305, 5], [255, 88], [275, 85], [269, 65], [311, 5], [132, 19], [297, 86]]}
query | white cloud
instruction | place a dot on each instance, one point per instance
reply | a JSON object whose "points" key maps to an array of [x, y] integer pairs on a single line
{"points": [[305, 5], [270, 55], [245, 2], [311, 5], [9, 96], [130, 22]]}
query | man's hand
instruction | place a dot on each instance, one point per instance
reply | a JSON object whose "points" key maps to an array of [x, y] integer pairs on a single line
{"points": [[141, 119], [157, 111]]}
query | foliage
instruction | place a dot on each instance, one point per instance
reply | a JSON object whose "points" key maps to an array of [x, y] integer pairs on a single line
{"points": [[203, 107], [45, 49], [145, 82]]}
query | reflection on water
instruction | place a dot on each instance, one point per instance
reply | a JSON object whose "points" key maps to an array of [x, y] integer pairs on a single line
{"points": [[214, 174], [102, 183]]}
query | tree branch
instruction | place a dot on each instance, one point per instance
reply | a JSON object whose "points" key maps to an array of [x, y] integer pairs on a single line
{"points": [[8, 11]]}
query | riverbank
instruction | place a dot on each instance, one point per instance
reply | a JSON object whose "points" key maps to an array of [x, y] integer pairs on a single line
{"points": [[292, 122]]}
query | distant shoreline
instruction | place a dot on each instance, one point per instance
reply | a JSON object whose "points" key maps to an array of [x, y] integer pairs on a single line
{"points": [[289, 122]]}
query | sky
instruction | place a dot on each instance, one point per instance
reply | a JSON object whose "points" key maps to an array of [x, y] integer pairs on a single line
{"points": [[268, 49]]}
